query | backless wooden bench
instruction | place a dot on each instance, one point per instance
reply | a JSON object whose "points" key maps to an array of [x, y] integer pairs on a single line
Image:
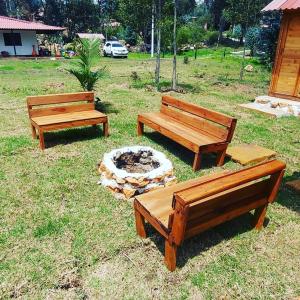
{"points": [[47, 118], [197, 128], [186, 209]]}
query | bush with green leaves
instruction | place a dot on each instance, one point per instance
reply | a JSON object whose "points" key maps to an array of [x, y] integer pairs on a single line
{"points": [[211, 37], [251, 39], [88, 52], [268, 38]]}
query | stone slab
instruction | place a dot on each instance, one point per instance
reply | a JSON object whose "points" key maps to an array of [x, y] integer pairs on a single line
{"points": [[264, 109], [276, 99], [248, 153], [295, 185]]}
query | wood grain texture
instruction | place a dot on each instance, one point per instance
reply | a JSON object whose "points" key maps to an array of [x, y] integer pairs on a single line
{"points": [[194, 127], [61, 117], [285, 81], [60, 98], [207, 202]]}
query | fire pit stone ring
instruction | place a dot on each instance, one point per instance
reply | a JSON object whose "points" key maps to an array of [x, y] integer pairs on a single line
{"points": [[131, 171]]}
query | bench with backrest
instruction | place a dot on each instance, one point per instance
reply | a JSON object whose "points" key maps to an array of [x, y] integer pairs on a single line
{"points": [[199, 129], [67, 112], [186, 209]]}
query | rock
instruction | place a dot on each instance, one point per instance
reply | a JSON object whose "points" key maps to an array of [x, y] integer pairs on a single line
{"points": [[274, 104], [128, 191], [262, 101], [102, 167], [170, 181], [144, 183], [281, 104], [120, 180], [132, 180], [249, 68]]}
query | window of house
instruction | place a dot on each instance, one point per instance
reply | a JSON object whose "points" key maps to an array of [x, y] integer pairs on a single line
{"points": [[12, 39]]}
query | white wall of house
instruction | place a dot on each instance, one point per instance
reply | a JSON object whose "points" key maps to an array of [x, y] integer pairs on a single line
{"points": [[28, 39]]}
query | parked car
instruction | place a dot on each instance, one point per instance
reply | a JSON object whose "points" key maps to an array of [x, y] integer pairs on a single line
{"points": [[114, 49]]}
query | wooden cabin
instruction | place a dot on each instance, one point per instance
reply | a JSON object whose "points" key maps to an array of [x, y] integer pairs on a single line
{"points": [[285, 81]]}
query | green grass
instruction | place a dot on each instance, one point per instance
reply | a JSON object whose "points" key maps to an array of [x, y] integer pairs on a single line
{"points": [[64, 236]]}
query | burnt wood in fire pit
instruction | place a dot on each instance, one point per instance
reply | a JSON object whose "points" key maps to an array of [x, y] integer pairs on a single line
{"points": [[140, 162]]}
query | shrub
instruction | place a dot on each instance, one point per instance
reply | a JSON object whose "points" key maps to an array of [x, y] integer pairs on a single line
{"points": [[186, 60], [251, 39], [211, 37], [88, 52]]}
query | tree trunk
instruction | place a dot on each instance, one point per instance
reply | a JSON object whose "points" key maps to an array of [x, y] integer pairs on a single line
{"points": [[174, 74], [221, 28], [244, 30], [243, 63], [152, 29], [158, 26]]}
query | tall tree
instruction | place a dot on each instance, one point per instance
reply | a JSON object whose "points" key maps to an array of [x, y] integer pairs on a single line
{"points": [[174, 73], [246, 13], [3, 8], [158, 34], [137, 15]]}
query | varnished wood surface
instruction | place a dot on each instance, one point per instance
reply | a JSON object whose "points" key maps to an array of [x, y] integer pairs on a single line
{"points": [[69, 115], [197, 137], [226, 182], [60, 98], [186, 209], [199, 129], [285, 81], [159, 203]]}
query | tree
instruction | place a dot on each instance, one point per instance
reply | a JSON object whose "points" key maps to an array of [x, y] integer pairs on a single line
{"points": [[88, 53], [51, 17], [3, 11], [245, 13], [158, 34], [174, 73], [268, 37], [137, 15]]}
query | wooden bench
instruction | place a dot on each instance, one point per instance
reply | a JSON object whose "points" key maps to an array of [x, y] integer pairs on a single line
{"points": [[44, 118], [186, 209], [199, 129]]}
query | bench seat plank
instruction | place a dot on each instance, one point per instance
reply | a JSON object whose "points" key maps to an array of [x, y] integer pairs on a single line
{"points": [[196, 128], [159, 203], [68, 117], [180, 129], [181, 211], [72, 113]]}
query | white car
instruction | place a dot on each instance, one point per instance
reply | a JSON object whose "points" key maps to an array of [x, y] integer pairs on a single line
{"points": [[114, 49]]}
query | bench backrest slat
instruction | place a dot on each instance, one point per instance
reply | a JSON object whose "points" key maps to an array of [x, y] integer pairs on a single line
{"points": [[36, 104], [238, 178], [60, 98], [213, 202], [39, 112], [197, 123], [199, 111]]}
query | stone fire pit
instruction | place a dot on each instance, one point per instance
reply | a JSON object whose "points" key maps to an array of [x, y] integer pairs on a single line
{"points": [[135, 170]]}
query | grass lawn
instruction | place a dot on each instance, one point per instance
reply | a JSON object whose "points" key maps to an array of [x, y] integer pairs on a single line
{"points": [[62, 236]]}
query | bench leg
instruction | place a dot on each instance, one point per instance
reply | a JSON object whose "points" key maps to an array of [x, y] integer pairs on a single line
{"points": [[33, 132], [105, 129], [140, 224], [42, 140], [197, 162], [221, 157], [259, 217], [140, 128], [170, 255]]}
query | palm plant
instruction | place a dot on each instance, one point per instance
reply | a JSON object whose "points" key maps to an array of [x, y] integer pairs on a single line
{"points": [[88, 53]]}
